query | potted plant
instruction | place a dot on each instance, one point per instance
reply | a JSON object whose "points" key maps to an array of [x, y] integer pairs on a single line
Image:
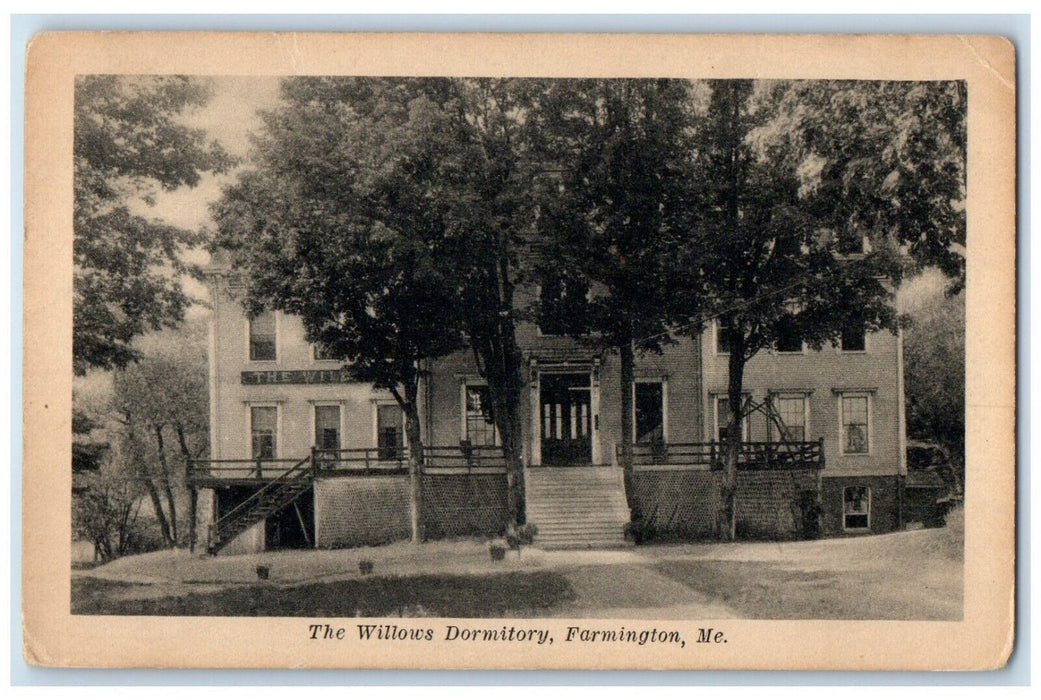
{"points": [[518, 536]]}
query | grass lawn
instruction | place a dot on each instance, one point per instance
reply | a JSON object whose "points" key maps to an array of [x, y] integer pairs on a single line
{"points": [[515, 594], [899, 576], [760, 590]]}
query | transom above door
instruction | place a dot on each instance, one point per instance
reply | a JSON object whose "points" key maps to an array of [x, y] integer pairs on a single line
{"points": [[565, 419]]}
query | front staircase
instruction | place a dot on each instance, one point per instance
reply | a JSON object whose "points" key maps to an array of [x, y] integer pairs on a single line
{"points": [[577, 507], [266, 501]]}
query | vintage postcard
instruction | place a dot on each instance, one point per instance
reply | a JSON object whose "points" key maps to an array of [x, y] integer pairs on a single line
{"points": [[519, 351]]}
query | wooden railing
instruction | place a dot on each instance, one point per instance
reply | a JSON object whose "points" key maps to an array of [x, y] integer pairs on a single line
{"points": [[480, 457], [251, 469], [752, 455], [366, 460], [268, 494], [353, 461], [780, 455]]}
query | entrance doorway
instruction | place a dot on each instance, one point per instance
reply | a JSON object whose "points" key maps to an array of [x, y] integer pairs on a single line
{"points": [[566, 419]]}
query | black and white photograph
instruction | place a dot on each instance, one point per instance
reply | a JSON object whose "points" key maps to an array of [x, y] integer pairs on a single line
{"points": [[512, 350]]}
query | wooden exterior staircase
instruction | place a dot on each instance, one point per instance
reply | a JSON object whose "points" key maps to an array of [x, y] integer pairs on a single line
{"points": [[577, 507], [267, 500]]}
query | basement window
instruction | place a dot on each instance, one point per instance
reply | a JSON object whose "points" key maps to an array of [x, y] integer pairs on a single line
{"points": [[856, 508]]}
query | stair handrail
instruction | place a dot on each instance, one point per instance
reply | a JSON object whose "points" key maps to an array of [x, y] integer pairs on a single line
{"points": [[269, 487]]}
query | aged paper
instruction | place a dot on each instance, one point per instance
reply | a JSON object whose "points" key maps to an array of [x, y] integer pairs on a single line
{"points": [[981, 637]]}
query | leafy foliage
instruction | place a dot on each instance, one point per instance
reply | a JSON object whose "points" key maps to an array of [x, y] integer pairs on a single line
{"points": [[613, 209], [160, 420], [885, 160], [773, 269], [934, 353], [127, 142], [387, 213]]}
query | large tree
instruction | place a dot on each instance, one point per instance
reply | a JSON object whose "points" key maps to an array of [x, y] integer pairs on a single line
{"points": [[886, 161], [160, 416], [334, 224], [773, 271], [934, 355], [387, 213], [615, 202], [128, 143]]}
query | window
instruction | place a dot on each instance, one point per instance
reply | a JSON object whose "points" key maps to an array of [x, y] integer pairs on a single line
{"points": [[318, 352], [262, 345], [851, 243], [788, 337], [854, 410], [722, 338], [790, 417], [856, 508], [327, 427], [478, 421], [264, 428], [390, 434], [649, 408], [563, 305], [854, 338], [722, 417]]}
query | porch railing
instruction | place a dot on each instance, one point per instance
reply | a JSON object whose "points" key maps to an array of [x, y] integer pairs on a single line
{"points": [[353, 461], [711, 455], [248, 469]]}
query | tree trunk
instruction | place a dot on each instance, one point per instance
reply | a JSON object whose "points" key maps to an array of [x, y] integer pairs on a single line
{"points": [[171, 504], [193, 492], [505, 387], [628, 371], [414, 440], [157, 506], [727, 522]]}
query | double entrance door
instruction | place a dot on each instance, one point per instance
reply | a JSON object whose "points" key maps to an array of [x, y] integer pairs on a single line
{"points": [[566, 419]]}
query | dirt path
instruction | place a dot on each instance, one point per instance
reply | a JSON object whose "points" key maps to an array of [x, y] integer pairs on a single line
{"points": [[636, 592]]}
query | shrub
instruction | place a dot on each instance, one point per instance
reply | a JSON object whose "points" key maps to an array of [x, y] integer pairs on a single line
{"points": [[640, 530]]}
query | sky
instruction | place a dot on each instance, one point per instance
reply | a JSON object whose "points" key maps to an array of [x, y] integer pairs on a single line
{"points": [[229, 117]]}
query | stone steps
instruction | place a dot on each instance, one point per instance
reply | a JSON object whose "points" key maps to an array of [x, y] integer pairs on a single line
{"points": [[577, 507]]}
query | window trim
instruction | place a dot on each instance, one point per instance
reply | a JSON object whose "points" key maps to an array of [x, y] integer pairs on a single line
{"points": [[788, 394], [249, 340], [746, 428], [866, 528], [315, 404], [664, 382], [841, 394], [277, 405], [463, 428]]}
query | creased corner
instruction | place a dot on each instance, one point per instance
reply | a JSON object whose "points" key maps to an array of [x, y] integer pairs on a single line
{"points": [[987, 64]]}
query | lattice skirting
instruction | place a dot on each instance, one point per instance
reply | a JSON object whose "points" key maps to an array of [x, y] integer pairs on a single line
{"points": [[459, 505], [684, 504], [358, 511]]}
